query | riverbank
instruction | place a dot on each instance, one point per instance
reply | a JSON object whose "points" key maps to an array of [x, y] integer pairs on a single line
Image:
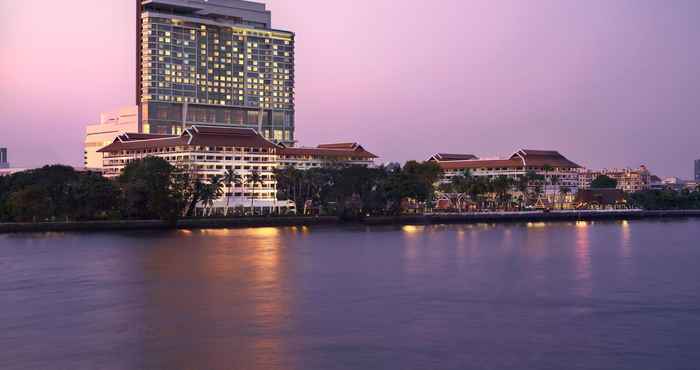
{"points": [[446, 218]]}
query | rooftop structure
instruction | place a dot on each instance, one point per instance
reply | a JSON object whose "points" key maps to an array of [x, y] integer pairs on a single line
{"points": [[439, 157]]}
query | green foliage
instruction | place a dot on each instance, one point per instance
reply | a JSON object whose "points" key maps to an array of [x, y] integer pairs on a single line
{"points": [[148, 187], [665, 200], [56, 193], [604, 182]]}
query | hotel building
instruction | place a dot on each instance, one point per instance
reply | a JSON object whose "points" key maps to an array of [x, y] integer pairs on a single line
{"points": [[547, 163], [208, 151], [326, 155], [213, 62]]}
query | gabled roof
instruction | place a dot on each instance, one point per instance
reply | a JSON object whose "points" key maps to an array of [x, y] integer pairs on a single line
{"points": [[452, 157], [539, 158], [520, 159], [195, 135], [330, 150]]}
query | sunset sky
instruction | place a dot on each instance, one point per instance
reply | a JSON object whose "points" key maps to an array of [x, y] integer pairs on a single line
{"points": [[607, 83]]}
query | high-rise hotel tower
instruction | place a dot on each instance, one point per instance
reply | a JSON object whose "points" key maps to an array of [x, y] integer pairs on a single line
{"points": [[213, 62]]}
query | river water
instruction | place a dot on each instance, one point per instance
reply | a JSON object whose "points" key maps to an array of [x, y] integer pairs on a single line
{"points": [[605, 295]]}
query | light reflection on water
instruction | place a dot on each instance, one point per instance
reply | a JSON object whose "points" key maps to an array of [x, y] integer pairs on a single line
{"points": [[621, 295]]}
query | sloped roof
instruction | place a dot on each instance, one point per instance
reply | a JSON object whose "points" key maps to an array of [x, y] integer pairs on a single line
{"points": [[195, 135], [520, 159], [539, 158], [452, 157], [330, 150]]}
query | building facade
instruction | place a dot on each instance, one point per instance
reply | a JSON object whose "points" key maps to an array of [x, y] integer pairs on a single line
{"points": [[629, 180], [326, 155], [112, 124], [209, 151], [549, 164], [4, 163], [214, 62]]}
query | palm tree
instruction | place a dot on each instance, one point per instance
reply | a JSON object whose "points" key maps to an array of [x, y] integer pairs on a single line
{"points": [[231, 177], [206, 196], [563, 190], [547, 169], [254, 179], [501, 185], [217, 188]]}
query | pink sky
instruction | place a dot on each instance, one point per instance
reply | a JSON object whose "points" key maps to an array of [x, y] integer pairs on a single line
{"points": [[607, 83]]}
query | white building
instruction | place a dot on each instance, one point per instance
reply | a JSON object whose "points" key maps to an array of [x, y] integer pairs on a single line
{"points": [[326, 155], [112, 124], [209, 151], [557, 170]]}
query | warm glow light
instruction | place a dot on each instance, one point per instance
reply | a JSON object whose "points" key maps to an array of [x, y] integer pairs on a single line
{"points": [[536, 225], [264, 232], [411, 229], [582, 224]]}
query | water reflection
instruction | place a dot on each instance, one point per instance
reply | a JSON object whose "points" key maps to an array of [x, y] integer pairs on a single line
{"points": [[583, 259], [232, 280]]}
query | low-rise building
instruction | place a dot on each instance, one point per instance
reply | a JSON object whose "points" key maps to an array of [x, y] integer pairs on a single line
{"points": [[208, 151], [629, 180], [325, 155], [556, 169]]}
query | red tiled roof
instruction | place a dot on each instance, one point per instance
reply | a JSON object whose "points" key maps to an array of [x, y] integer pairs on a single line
{"points": [[328, 152], [521, 159], [539, 158], [225, 136], [480, 163], [348, 146], [453, 157], [195, 135]]}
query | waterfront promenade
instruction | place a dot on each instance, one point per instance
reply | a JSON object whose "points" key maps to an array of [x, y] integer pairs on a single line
{"points": [[426, 219]]}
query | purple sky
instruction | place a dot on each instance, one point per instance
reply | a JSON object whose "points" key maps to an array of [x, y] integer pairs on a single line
{"points": [[607, 83]]}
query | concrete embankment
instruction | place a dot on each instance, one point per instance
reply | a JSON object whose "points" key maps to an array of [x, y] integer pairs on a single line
{"points": [[486, 217], [503, 217], [156, 225]]}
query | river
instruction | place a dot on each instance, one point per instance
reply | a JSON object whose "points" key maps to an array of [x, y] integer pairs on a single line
{"points": [[603, 295]]}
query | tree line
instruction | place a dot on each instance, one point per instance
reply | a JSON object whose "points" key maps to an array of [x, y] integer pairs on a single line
{"points": [[151, 188]]}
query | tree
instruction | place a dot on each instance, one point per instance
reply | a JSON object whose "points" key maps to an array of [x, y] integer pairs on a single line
{"points": [[254, 179], [231, 177], [604, 182], [31, 204], [563, 191], [147, 186]]}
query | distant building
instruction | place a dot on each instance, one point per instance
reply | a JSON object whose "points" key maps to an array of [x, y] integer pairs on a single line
{"points": [[112, 124], [547, 163], [3, 158], [697, 171], [678, 184], [326, 155], [628, 180]]}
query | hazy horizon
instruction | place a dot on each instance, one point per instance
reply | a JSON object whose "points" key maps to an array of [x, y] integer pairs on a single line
{"points": [[608, 84]]}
